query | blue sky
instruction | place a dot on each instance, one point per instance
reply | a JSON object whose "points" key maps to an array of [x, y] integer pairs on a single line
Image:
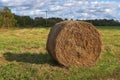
{"points": [[76, 9]]}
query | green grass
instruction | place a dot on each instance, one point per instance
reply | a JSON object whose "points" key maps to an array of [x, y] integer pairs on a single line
{"points": [[23, 57]]}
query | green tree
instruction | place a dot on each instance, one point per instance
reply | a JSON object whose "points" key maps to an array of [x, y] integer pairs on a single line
{"points": [[7, 18], [1, 20], [24, 21]]}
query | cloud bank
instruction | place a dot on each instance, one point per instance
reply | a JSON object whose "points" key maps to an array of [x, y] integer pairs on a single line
{"points": [[75, 9]]}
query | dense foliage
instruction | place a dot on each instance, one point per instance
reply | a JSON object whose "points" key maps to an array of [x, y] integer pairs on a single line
{"points": [[7, 18], [104, 22], [40, 21]]}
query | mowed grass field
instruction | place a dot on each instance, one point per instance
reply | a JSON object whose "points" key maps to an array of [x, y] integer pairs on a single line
{"points": [[23, 56]]}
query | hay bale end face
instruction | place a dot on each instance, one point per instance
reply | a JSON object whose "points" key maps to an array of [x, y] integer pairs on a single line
{"points": [[74, 43]]}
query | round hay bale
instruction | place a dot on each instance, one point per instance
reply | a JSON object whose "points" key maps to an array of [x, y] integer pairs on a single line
{"points": [[74, 43]]}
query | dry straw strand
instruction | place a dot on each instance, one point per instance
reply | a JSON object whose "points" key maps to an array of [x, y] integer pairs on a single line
{"points": [[74, 43]]}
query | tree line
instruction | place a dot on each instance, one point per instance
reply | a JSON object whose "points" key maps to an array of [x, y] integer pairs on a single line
{"points": [[8, 19], [104, 22]]}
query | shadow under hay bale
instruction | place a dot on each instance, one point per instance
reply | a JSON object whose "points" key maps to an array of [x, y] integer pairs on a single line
{"points": [[74, 43], [42, 58]]}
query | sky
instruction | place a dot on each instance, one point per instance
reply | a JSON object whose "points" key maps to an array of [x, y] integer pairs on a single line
{"points": [[71, 9]]}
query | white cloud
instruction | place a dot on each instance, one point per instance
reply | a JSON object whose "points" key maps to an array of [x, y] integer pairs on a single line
{"points": [[77, 9], [56, 8], [68, 4]]}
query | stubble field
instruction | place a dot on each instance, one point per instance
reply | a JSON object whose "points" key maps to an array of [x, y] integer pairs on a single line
{"points": [[23, 56]]}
